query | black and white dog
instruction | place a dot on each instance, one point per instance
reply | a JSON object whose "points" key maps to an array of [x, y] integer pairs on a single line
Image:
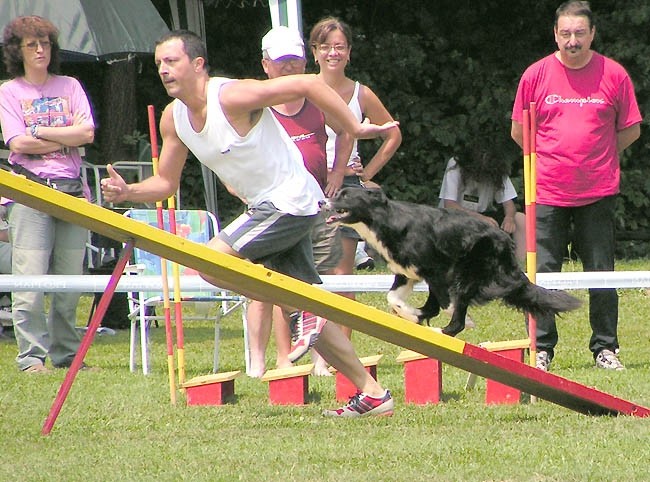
{"points": [[464, 260]]}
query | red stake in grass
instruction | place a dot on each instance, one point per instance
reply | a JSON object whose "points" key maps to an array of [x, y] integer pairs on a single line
{"points": [[87, 340]]}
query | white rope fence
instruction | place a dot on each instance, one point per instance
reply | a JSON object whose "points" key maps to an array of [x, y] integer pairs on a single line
{"points": [[346, 283]]}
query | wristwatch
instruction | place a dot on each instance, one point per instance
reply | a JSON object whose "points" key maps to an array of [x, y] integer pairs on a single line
{"points": [[34, 131]]}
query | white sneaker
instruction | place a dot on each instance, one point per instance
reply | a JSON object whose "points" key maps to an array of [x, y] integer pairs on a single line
{"points": [[362, 260], [542, 360], [5, 313], [608, 360]]}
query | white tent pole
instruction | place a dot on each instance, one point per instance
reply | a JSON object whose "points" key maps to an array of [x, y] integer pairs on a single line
{"points": [[287, 13]]}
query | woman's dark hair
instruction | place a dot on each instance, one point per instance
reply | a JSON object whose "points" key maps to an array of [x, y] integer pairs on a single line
{"points": [[477, 163], [28, 26], [324, 27]]}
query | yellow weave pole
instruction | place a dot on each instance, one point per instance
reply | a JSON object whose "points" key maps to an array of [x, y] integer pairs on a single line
{"points": [[531, 222], [530, 182], [178, 307], [530, 265], [171, 370]]}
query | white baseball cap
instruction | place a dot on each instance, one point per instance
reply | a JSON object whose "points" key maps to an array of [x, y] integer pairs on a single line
{"points": [[282, 41]]}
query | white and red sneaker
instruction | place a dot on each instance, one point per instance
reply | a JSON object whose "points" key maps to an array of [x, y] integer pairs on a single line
{"points": [[362, 405], [305, 328]]}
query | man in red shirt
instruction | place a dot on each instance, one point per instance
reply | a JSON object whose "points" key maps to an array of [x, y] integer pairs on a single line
{"points": [[587, 115]]}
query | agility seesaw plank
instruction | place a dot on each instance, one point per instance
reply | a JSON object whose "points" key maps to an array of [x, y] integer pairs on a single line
{"points": [[256, 281]]}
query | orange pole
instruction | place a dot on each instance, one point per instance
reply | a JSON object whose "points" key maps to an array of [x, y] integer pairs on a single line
{"points": [[171, 370]]}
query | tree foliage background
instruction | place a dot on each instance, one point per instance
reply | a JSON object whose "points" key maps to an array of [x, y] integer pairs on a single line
{"points": [[448, 71]]}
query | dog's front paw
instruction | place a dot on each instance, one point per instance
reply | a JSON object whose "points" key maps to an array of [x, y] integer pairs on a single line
{"points": [[453, 329], [407, 312]]}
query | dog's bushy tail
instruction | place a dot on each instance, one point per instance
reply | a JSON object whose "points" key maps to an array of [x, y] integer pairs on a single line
{"points": [[541, 301]]}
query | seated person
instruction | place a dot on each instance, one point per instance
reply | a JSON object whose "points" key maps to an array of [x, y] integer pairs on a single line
{"points": [[474, 182]]}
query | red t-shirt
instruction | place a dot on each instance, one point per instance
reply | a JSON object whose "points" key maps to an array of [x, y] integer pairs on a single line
{"points": [[579, 112], [307, 130]]}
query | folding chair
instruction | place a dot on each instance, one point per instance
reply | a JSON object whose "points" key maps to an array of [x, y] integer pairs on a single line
{"points": [[100, 249], [198, 226]]}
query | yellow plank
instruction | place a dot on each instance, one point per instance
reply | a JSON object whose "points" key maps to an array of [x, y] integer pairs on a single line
{"points": [[289, 372], [367, 361], [409, 355], [253, 278], [505, 345], [209, 379]]}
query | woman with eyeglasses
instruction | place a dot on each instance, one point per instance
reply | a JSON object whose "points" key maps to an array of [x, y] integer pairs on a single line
{"points": [[45, 117], [331, 44]]}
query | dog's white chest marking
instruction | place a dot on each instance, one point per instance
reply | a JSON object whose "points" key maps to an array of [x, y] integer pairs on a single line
{"points": [[371, 238]]}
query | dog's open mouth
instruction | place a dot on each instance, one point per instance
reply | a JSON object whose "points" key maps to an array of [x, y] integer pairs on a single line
{"points": [[339, 216]]}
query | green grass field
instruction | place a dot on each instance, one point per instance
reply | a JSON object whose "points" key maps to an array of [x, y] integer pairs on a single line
{"points": [[117, 425]]}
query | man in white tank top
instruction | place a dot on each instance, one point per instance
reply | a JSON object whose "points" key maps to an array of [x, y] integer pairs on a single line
{"points": [[228, 126]]}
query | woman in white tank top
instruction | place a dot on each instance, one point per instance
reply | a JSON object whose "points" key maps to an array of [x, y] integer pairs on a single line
{"points": [[330, 42]]}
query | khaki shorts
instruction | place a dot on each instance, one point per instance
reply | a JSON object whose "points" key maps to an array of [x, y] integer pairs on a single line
{"points": [[326, 244]]}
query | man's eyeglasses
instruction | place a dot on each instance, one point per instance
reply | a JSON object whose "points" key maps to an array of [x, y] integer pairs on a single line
{"points": [[45, 44], [338, 48]]}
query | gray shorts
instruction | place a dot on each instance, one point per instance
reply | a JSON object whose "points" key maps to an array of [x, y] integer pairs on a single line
{"points": [[326, 244], [277, 240]]}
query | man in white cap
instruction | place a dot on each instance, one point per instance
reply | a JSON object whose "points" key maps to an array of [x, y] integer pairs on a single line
{"points": [[283, 54]]}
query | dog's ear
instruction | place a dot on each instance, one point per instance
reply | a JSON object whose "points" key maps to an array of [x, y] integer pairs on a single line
{"points": [[377, 195]]}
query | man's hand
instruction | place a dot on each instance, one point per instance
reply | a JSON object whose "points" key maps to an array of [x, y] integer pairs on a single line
{"points": [[78, 119], [334, 183], [508, 224], [370, 131], [114, 188]]}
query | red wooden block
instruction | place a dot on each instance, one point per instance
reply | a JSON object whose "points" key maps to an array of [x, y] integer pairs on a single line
{"points": [[345, 389], [499, 394], [422, 378], [495, 392], [288, 386], [210, 389]]}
